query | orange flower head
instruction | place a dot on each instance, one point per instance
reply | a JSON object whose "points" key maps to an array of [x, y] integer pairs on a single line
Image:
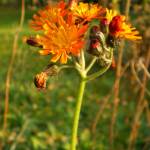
{"points": [[62, 39], [118, 28], [87, 11], [116, 25], [48, 15]]}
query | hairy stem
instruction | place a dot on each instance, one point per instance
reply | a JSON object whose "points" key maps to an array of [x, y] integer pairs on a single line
{"points": [[77, 115]]}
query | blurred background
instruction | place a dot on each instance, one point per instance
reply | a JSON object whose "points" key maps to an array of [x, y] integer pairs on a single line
{"points": [[116, 109]]}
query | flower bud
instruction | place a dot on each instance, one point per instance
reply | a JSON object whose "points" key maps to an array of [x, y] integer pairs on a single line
{"points": [[94, 47], [94, 42], [52, 70], [33, 42], [93, 32], [40, 80], [111, 41]]}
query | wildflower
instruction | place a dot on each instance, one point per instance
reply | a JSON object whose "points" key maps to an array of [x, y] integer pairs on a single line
{"points": [[87, 12], [49, 15], [120, 29], [62, 40]]}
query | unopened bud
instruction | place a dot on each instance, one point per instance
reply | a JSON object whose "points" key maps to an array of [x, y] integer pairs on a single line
{"points": [[95, 47], [101, 38], [112, 41], [93, 32], [33, 42], [52, 70], [94, 42], [40, 80]]}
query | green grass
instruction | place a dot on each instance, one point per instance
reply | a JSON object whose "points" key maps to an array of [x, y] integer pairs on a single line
{"points": [[47, 115]]}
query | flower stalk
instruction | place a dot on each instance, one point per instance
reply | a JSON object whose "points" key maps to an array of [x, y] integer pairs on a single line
{"points": [[77, 114], [84, 78]]}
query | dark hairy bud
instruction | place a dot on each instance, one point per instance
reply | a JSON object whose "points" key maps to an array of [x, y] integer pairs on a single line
{"points": [[112, 41], [94, 43], [40, 80], [52, 70], [33, 42]]}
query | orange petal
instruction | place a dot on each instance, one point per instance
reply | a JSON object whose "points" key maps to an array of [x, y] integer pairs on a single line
{"points": [[44, 52], [63, 58], [56, 57], [82, 30]]}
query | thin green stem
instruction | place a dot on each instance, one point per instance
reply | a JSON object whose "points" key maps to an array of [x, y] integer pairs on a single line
{"points": [[82, 60], [77, 115], [91, 64], [97, 74], [101, 71], [66, 67]]}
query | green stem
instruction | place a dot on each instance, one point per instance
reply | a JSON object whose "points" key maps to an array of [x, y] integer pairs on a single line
{"points": [[97, 74], [77, 114], [91, 64], [65, 67], [100, 72]]}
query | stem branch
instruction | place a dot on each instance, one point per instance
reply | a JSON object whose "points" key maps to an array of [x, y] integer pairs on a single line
{"points": [[91, 64], [101, 71]]}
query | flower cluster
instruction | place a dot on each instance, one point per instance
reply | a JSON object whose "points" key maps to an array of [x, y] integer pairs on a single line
{"points": [[68, 31], [118, 27], [64, 28]]}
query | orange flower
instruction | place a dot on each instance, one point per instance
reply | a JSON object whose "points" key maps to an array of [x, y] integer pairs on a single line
{"points": [[62, 39], [119, 28], [87, 11], [49, 14]]}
